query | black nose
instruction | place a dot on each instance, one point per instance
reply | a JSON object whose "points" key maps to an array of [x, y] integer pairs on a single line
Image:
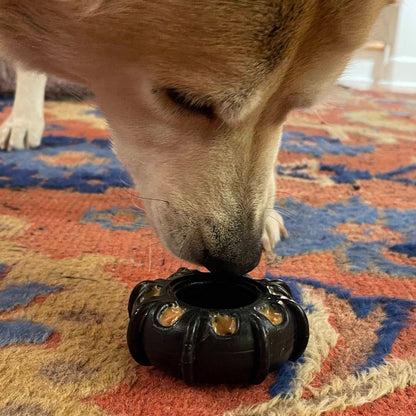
{"points": [[238, 264]]}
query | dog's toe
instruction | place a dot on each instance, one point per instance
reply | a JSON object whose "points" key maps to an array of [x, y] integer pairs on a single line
{"points": [[4, 137], [274, 230], [18, 134]]}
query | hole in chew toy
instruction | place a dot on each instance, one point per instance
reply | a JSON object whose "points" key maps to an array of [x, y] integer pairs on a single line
{"points": [[272, 314], [211, 293], [170, 315], [155, 291], [223, 324]]}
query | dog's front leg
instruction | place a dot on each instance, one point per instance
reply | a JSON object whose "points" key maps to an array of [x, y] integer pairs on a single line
{"points": [[274, 229], [24, 127]]}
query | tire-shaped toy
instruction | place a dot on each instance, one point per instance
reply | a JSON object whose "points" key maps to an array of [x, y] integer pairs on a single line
{"points": [[211, 328]]}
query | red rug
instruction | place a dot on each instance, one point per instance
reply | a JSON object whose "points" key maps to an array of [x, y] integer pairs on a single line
{"points": [[73, 243]]}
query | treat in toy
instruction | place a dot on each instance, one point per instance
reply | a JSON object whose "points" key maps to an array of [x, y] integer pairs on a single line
{"points": [[215, 328]]}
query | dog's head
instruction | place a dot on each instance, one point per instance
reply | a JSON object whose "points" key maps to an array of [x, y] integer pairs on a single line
{"points": [[196, 93]]}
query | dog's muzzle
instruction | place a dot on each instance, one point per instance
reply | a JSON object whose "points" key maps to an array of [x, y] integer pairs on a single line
{"points": [[236, 259]]}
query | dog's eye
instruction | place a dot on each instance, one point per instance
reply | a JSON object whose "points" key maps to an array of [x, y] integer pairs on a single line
{"points": [[192, 105]]}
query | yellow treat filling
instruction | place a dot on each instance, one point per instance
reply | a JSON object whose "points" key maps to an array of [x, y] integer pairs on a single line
{"points": [[170, 315], [272, 314], [224, 324]]}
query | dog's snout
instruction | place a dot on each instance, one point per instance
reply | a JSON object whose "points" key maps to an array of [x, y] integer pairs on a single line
{"points": [[220, 242], [232, 266], [238, 258]]}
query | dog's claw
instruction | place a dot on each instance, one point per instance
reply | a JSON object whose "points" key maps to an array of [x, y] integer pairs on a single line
{"points": [[274, 231]]}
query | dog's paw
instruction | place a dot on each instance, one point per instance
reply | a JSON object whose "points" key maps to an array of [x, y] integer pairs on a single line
{"points": [[274, 231], [18, 133]]}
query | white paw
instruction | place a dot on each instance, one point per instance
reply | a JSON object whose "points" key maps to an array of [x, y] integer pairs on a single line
{"points": [[274, 230], [18, 133]]}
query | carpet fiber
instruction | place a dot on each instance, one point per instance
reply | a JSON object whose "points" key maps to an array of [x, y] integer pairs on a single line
{"points": [[73, 243]]}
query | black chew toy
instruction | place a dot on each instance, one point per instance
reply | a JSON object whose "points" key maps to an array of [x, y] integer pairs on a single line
{"points": [[215, 328]]}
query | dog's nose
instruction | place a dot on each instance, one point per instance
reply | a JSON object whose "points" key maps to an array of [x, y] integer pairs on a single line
{"points": [[232, 262]]}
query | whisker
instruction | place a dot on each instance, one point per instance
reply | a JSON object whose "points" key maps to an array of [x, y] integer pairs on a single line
{"points": [[127, 185], [154, 199], [171, 232], [281, 210], [283, 192], [288, 214], [135, 195], [186, 238], [286, 210]]}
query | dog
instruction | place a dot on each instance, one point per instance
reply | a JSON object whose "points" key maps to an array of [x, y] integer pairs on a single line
{"points": [[195, 94]]}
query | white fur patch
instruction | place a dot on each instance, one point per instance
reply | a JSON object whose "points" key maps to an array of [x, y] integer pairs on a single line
{"points": [[24, 127]]}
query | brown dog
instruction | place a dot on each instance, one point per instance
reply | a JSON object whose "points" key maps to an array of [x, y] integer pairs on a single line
{"points": [[196, 93]]}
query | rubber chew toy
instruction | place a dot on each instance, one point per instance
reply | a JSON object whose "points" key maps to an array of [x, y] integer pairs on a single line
{"points": [[211, 328]]}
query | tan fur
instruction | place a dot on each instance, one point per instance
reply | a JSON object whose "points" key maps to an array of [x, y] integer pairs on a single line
{"points": [[252, 60]]}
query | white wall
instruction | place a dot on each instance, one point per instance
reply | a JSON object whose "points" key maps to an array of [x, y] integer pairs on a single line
{"points": [[404, 60], [401, 69]]}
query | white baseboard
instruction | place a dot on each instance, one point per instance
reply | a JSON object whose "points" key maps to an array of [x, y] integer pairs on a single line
{"points": [[403, 70], [366, 83], [402, 75]]}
